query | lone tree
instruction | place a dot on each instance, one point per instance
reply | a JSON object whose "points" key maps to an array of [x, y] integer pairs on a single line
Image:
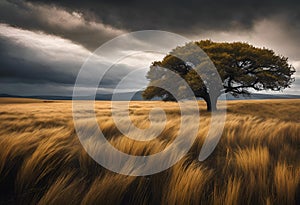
{"points": [[241, 67]]}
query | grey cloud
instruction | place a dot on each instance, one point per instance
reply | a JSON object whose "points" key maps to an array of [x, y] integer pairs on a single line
{"points": [[57, 21], [183, 16], [25, 59], [41, 61], [91, 23]]}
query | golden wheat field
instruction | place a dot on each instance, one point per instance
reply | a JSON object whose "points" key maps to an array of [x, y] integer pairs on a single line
{"points": [[255, 162]]}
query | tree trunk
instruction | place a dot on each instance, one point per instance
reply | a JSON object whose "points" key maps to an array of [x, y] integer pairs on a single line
{"points": [[211, 103]]}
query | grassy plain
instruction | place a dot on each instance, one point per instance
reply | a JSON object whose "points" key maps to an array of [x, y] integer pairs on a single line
{"points": [[255, 162]]}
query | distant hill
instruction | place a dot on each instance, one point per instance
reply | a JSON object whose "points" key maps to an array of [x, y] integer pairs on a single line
{"points": [[118, 96], [258, 96], [138, 96]]}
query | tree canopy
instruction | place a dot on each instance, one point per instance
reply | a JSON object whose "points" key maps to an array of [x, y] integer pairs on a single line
{"points": [[241, 67]]}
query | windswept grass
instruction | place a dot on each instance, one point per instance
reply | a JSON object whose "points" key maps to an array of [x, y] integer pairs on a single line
{"points": [[255, 162]]}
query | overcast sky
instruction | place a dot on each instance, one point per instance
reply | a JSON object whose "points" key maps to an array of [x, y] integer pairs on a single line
{"points": [[42, 45]]}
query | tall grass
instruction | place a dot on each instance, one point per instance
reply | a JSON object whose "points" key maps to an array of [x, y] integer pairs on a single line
{"points": [[255, 162]]}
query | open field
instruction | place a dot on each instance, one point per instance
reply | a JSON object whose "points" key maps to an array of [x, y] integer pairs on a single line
{"points": [[255, 162]]}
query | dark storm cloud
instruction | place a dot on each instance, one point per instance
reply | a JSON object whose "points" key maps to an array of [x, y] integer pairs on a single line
{"points": [[45, 63], [183, 16], [18, 69], [91, 23], [56, 21], [28, 57]]}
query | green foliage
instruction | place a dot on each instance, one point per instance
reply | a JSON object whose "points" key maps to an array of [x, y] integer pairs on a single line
{"points": [[241, 67]]}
